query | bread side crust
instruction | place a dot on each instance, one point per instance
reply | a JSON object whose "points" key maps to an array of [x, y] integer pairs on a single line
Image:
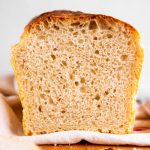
{"points": [[136, 71]]}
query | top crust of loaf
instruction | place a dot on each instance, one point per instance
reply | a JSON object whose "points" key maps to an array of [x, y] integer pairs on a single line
{"points": [[66, 14]]}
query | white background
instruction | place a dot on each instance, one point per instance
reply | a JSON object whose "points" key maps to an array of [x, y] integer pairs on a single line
{"points": [[15, 14]]}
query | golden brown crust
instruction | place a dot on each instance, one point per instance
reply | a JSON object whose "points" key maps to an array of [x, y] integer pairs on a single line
{"points": [[66, 14]]}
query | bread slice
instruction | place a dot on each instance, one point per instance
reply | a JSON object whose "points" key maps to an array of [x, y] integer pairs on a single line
{"points": [[77, 71]]}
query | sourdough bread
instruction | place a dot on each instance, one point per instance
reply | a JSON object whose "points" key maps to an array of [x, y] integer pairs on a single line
{"points": [[77, 71]]}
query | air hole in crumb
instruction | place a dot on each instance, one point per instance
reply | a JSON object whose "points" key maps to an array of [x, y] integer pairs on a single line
{"points": [[109, 36], [56, 27], [93, 123], [121, 126], [75, 33], [75, 24], [98, 106], [120, 68], [45, 61], [97, 97], [78, 64], [71, 76], [93, 64], [129, 43], [46, 24], [82, 25], [42, 96], [53, 57], [63, 111], [70, 43], [64, 63], [119, 28], [40, 108], [83, 89], [50, 116], [29, 133], [106, 93], [80, 41], [83, 31], [82, 80], [118, 76], [62, 18], [111, 109], [99, 130], [79, 121], [59, 99], [38, 28], [114, 90], [109, 28], [55, 49], [22, 65], [96, 52], [76, 83], [50, 100], [92, 25], [42, 37], [49, 19], [43, 132], [47, 91], [107, 59], [110, 131], [37, 44], [95, 38], [70, 29], [124, 57], [31, 88], [93, 71], [93, 17]]}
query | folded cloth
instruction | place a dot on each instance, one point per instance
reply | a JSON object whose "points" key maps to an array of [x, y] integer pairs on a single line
{"points": [[11, 116], [143, 109], [13, 143], [7, 85]]}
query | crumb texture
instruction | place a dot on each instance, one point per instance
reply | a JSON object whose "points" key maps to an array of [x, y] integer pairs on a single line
{"points": [[77, 73]]}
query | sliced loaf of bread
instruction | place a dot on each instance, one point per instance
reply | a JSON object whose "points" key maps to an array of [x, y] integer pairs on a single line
{"points": [[77, 71]]}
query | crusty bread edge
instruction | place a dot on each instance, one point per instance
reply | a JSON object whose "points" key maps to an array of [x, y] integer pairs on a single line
{"points": [[66, 14]]}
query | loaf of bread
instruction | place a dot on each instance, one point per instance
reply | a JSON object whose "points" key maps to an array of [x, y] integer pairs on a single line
{"points": [[77, 71]]}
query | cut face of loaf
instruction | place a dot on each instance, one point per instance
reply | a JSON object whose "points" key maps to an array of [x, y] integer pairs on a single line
{"points": [[77, 71]]}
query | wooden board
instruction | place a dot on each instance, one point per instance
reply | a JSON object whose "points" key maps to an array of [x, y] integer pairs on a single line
{"points": [[92, 147]]}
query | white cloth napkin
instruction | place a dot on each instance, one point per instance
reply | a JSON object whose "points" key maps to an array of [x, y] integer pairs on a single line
{"points": [[10, 124]]}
